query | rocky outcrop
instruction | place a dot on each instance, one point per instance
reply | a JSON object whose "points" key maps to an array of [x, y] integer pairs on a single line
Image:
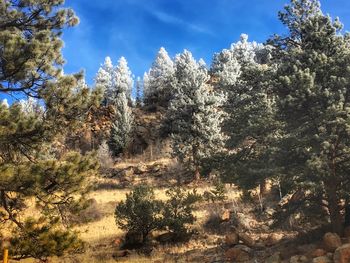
{"points": [[323, 259], [342, 254], [239, 253], [232, 239], [147, 135], [331, 242]]}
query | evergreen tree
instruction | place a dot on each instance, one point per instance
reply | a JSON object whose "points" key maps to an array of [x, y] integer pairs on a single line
{"points": [[250, 122], [123, 80], [31, 65], [105, 77], [120, 98], [313, 101], [194, 114], [159, 80], [120, 135], [138, 92]]}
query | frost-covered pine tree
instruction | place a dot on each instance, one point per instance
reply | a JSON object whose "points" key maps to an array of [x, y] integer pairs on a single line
{"points": [[31, 106], [105, 77], [159, 90], [145, 82], [194, 114], [139, 88], [120, 98], [4, 103], [123, 81], [120, 134], [244, 74], [225, 69]]}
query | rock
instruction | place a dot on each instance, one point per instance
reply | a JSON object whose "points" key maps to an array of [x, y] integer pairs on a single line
{"points": [[347, 232], [232, 239], [298, 259], [141, 130], [238, 254], [273, 239], [318, 253], [156, 167], [117, 242], [225, 216], [331, 241], [246, 239], [141, 168], [322, 259], [275, 258], [342, 254]]}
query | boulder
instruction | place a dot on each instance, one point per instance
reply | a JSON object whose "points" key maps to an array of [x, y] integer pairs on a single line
{"points": [[225, 216], [318, 253], [323, 259], [246, 239], [273, 239], [299, 259], [156, 167], [117, 242], [342, 254], [331, 241], [141, 130], [275, 258], [141, 168], [127, 172], [238, 254], [232, 239]]}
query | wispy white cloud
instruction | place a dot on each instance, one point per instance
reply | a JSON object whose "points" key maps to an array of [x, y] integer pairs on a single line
{"points": [[171, 19]]}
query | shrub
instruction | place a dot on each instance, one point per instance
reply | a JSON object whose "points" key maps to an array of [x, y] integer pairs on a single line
{"points": [[218, 193], [140, 212], [178, 212], [104, 157], [214, 222]]}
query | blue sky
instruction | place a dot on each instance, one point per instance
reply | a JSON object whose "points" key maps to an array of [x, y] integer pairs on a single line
{"points": [[136, 29]]}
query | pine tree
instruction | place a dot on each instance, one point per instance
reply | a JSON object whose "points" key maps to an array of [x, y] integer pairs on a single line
{"points": [[313, 101], [105, 78], [120, 99], [194, 114], [123, 80], [31, 65], [138, 92], [120, 135], [250, 122], [159, 80]]}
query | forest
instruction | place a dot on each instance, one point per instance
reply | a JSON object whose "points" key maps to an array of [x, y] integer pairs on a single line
{"points": [[245, 159]]}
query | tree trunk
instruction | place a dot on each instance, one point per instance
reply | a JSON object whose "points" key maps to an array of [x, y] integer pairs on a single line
{"points": [[197, 174], [263, 188], [333, 207]]}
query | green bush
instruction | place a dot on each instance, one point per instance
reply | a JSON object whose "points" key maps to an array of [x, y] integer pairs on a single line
{"points": [[218, 193], [140, 212], [178, 212]]}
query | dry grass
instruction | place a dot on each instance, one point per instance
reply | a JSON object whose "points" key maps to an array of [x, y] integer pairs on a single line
{"points": [[99, 235]]}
